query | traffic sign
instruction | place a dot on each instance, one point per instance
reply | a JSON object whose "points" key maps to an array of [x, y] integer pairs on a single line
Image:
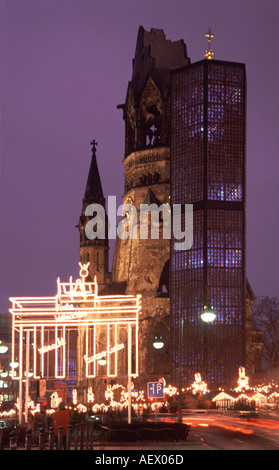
{"points": [[155, 390]]}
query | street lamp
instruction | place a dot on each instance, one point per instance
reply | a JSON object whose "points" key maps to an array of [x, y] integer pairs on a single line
{"points": [[158, 342], [3, 347], [208, 315], [14, 364], [102, 361]]}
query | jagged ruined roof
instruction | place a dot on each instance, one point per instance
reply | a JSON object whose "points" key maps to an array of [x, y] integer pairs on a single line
{"points": [[156, 55]]}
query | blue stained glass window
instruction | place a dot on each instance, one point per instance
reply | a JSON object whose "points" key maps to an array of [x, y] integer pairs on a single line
{"points": [[233, 192], [224, 258], [233, 258], [216, 191], [233, 94], [225, 192]]}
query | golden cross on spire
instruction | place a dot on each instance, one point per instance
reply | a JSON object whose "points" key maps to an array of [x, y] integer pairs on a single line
{"points": [[209, 52]]}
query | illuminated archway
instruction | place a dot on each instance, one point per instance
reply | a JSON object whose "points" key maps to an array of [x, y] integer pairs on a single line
{"points": [[42, 328]]}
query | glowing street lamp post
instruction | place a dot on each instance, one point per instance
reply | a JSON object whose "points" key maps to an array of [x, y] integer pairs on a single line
{"points": [[3, 347], [207, 316]]}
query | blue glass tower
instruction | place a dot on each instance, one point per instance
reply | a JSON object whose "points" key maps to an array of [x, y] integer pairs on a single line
{"points": [[208, 126]]}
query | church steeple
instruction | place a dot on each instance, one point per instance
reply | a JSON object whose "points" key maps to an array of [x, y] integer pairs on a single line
{"points": [[94, 250], [93, 190]]}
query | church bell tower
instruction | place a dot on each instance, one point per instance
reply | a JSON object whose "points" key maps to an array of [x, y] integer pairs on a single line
{"points": [[94, 249]]}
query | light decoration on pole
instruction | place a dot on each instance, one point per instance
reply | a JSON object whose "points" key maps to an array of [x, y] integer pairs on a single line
{"points": [[243, 381], [170, 390], [90, 395], [74, 396], [199, 386]]}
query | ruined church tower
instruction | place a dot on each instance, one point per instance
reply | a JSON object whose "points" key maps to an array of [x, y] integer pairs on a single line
{"points": [[146, 112], [142, 265]]}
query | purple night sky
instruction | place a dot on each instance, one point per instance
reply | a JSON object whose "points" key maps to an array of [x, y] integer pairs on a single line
{"points": [[65, 66]]}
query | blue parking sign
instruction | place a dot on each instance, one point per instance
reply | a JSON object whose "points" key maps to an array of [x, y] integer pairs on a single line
{"points": [[155, 390]]}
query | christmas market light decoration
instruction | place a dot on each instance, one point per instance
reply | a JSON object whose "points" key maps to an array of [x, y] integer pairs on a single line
{"points": [[170, 391], [199, 385], [224, 397], [74, 396], [55, 400], [103, 354], [81, 408], [243, 382], [77, 306], [51, 347], [90, 395]]}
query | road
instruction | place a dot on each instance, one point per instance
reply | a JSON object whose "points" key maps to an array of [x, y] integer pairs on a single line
{"points": [[211, 431], [215, 438], [217, 431]]}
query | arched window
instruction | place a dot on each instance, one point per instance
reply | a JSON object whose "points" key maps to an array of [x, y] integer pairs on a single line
{"points": [[163, 288]]}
